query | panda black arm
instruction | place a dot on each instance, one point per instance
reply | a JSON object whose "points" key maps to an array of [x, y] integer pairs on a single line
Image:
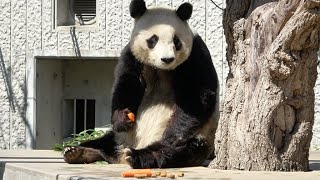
{"points": [[128, 90]]}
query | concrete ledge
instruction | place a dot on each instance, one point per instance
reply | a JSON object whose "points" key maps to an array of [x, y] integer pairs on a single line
{"points": [[47, 165]]}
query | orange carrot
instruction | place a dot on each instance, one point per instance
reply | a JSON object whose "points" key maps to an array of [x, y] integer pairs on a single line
{"points": [[132, 172], [131, 117]]}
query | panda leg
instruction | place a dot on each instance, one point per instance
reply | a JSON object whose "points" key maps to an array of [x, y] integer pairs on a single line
{"points": [[101, 149], [193, 152]]}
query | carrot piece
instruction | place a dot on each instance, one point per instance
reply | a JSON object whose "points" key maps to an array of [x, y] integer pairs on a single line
{"points": [[131, 173], [131, 117]]}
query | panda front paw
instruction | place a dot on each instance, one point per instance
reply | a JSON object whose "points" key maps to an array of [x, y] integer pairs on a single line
{"points": [[128, 156], [121, 121], [72, 154], [139, 159], [131, 157]]}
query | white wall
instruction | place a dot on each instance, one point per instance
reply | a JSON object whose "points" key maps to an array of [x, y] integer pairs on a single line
{"points": [[315, 143]]}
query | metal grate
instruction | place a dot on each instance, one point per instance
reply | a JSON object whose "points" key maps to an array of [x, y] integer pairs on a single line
{"points": [[84, 11], [81, 114]]}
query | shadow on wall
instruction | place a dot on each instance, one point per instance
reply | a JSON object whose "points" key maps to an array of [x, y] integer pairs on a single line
{"points": [[15, 105], [75, 41]]}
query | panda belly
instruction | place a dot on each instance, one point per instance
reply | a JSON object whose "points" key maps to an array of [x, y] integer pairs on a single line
{"points": [[155, 111], [152, 120]]}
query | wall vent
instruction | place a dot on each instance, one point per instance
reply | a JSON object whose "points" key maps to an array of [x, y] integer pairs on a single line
{"points": [[75, 12], [84, 11]]}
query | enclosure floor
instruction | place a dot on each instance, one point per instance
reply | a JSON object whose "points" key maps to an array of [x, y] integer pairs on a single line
{"points": [[43, 164]]}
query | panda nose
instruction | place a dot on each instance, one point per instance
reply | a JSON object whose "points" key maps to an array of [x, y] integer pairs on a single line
{"points": [[167, 60]]}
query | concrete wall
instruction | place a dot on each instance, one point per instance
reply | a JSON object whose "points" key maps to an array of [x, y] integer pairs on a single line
{"points": [[91, 79], [59, 81], [49, 94], [315, 143]]}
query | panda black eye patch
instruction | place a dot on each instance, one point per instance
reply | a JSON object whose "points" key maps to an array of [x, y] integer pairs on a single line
{"points": [[177, 42], [152, 41]]}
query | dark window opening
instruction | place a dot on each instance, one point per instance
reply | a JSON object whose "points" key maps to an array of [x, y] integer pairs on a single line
{"points": [[80, 115]]}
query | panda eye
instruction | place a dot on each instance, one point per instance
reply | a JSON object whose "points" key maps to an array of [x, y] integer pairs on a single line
{"points": [[152, 41], [177, 42]]}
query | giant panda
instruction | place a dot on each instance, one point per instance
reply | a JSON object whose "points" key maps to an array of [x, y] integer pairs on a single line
{"points": [[165, 76]]}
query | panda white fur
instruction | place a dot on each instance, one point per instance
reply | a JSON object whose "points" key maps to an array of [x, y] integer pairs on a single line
{"points": [[164, 76]]}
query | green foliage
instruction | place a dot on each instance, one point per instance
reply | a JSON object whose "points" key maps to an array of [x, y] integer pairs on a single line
{"points": [[85, 135]]}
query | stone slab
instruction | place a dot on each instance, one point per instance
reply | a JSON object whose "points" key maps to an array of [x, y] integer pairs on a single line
{"points": [[47, 165]]}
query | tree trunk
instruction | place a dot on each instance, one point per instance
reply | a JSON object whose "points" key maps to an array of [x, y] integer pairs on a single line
{"points": [[268, 110]]}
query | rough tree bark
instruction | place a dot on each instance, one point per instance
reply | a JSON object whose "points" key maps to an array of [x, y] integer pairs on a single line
{"points": [[268, 110]]}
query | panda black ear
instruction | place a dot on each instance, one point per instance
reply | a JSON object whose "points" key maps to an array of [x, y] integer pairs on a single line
{"points": [[137, 8], [184, 11]]}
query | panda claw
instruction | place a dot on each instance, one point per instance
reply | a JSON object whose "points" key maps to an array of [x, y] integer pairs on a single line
{"points": [[129, 160], [66, 150], [127, 152], [69, 150], [128, 156], [70, 154]]}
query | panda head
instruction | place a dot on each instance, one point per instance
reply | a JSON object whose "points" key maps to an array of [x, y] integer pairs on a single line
{"points": [[161, 37]]}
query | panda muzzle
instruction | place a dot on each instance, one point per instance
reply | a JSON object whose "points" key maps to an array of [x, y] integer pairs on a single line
{"points": [[167, 60]]}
